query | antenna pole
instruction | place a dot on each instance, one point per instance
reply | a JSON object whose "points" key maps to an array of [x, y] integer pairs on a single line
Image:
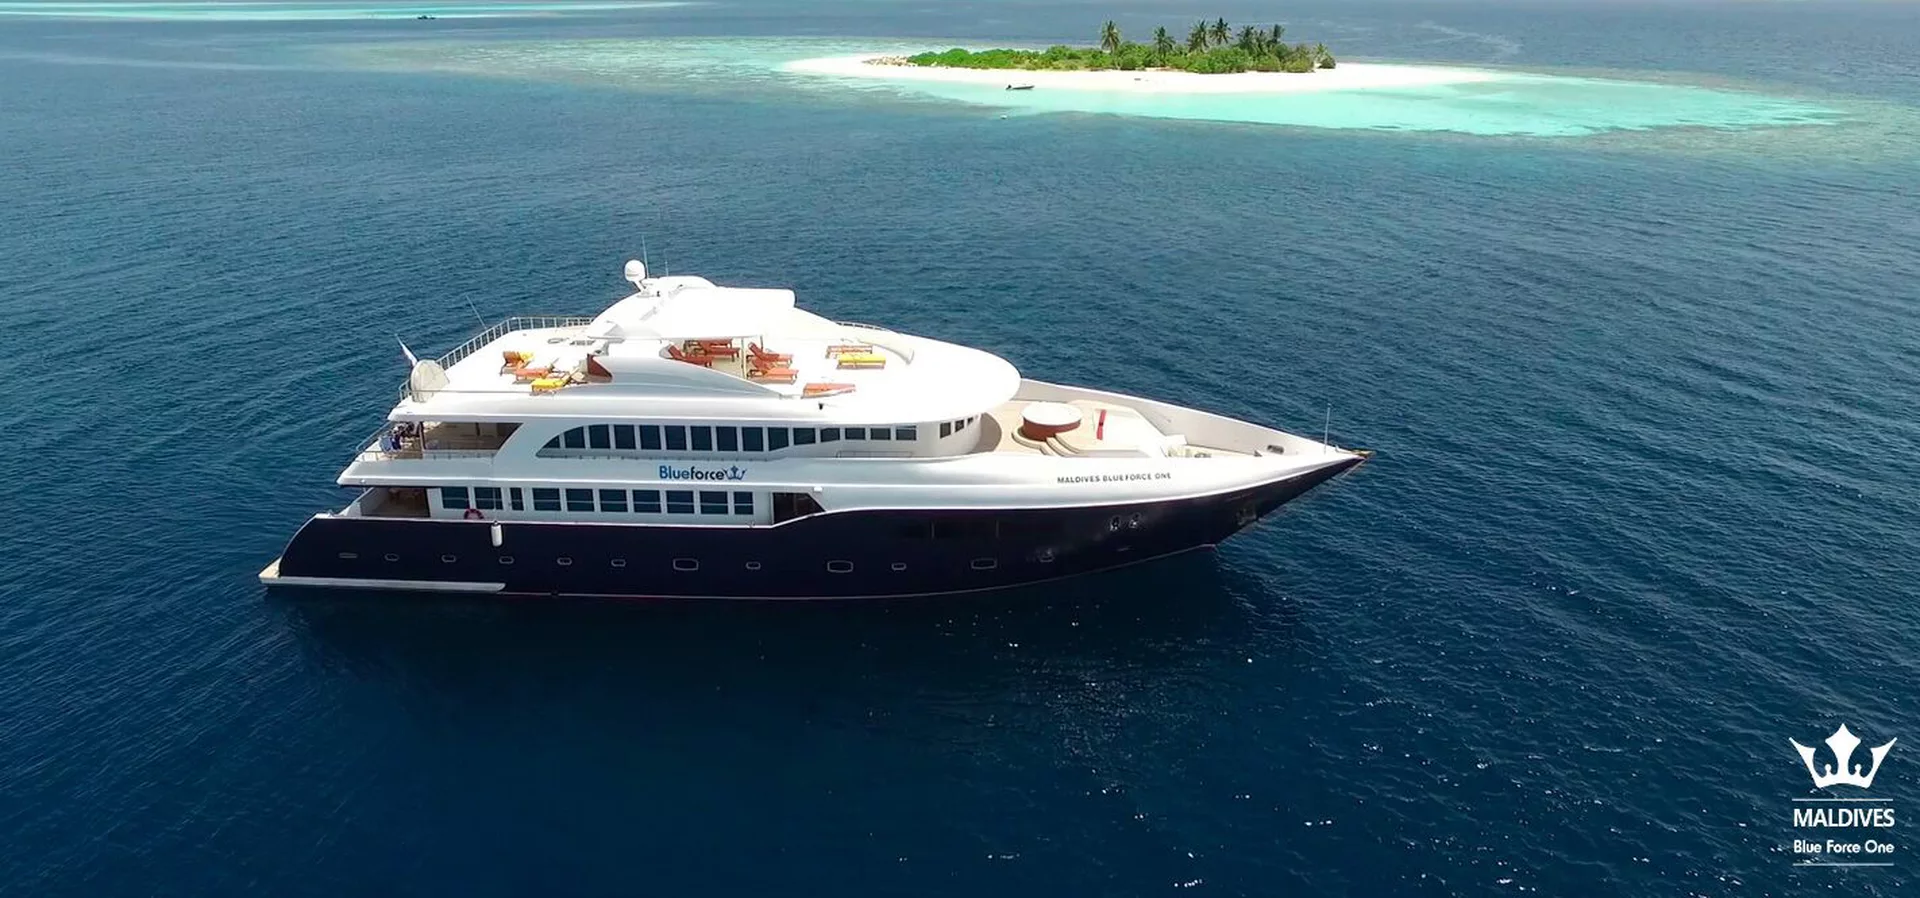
{"points": [[475, 310], [1326, 430]]}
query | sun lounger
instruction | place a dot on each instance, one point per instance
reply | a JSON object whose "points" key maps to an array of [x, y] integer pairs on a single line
{"points": [[773, 375], [704, 361], [818, 389], [549, 384], [862, 360], [761, 355], [839, 348]]}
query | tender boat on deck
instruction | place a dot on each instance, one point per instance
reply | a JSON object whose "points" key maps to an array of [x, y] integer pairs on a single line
{"points": [[716, 442]]}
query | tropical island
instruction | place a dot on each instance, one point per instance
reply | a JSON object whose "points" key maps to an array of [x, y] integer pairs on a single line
{"points": [[1210, 49]]}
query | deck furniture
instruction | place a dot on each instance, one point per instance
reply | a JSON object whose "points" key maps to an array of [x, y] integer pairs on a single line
{"points": [[773, 375], [704, 361], [813, 390], [761, 355], [862, 360], [839, 348]]}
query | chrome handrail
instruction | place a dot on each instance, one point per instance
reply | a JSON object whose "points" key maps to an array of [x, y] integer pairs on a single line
{"points": [[494, 332]]}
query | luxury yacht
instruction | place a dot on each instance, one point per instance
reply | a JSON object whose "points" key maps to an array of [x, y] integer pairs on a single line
{"points": [[701, 441]]}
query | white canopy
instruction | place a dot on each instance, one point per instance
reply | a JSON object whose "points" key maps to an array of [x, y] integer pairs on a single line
{"points": [[694, 312]]}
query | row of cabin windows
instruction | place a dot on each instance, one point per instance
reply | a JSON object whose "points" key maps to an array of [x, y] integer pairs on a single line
{"points": [[706, 438], [707, 502], [949, 428]]}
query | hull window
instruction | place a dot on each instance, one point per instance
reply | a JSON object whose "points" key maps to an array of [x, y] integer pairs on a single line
{"points": [[686, 564], [726, 439], [803, 436], [650, 436], [753, 565], [776, 439], [753, 439], [856, 433], [613, 500], [676, 438], [517, 498], [713, 502], [985, 564], [392, 557], [899, 565], [574, 439], [349, 556], [579, 500], [946, 429], [839, 567], [486, 498], [506, 559], [679, 501], [829, 434], [453, 496], [623, 436], [702, 438], [563, 561], [908, 434], [879, 434], [646, 501], [743, 503], [787, 506], [599, 436], [448, 559], [545, 499], [617, 562]]}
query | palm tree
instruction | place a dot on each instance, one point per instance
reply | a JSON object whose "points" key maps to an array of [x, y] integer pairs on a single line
{"points": [[1197, 38], [1163, 45], [1273, 36], [1110, 38], [1219, 34], [1247, 38], [1321, 58]]}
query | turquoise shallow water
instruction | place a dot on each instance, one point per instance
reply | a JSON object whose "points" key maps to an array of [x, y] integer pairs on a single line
{"points": [[240, 11], [1516, 103]]}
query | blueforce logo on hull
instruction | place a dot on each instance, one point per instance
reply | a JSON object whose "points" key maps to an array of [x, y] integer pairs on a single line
{"points": [[669, 472]]}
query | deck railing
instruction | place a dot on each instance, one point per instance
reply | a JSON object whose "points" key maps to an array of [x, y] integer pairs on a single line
{"points": [[495, 332]]}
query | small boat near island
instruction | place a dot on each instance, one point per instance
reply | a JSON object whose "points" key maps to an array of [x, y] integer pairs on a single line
{"points": [[1019, 87]]}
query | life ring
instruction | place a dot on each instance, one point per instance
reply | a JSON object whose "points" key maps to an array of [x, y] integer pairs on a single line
{"points": [[473, 514]]}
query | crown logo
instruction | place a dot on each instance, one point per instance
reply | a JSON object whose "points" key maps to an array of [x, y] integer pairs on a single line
{"points": [[1842, 743]]}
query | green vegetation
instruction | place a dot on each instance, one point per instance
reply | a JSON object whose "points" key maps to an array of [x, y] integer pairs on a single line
{"points": [[1211, 48]]}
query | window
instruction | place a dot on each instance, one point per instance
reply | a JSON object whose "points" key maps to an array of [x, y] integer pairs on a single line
{"points": [[650, 436], [743, 503], [899, 565], [453, 496], [623, 436], [909, 433], [856, 433], [449, 559], [829, 434], [713, 502], [839, 567], [617, 562], [599, 436], [879, 433], [506, 559], [676, 438], [613, 500], [563, 561], [574, 439], [679, 501], [787, 506], [646, 501], [946, 429], [702, 439], [803, 436], [553, 443], [959, 426], [545, 499], [753, 565], [752, 439], [776, 439], [985, 564], [579, 500], [686, 564], [517, 498], [486, 497], [726, 439]]}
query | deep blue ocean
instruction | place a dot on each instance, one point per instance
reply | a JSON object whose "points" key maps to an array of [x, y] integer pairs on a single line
{"points": [[1644, 509]]}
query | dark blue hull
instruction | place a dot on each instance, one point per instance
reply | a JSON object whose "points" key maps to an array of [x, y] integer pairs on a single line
{"points": [[854, 554]]}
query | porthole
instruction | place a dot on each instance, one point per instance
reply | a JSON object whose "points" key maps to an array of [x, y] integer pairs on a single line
{"points": [[563, 561], [392, 557], [349, 556], [839, 567], [987, 564], [618, 562], [1134, 522], [506, 559], [686, 564], [899, 565], [753, 565], [448, 559], [1114, 524], [1045, 556]]}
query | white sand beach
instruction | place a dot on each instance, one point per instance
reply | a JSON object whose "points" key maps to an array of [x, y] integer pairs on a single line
{"points": [[1346, 76]]}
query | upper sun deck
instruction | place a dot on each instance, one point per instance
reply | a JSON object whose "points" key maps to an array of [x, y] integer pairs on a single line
{"points": [[682, 343]]}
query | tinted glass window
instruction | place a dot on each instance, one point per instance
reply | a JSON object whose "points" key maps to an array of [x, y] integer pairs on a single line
{"points": [[713, 502], [752, 439], [702, 438], [680, 501], [743, 503], [829, 434], [803, 436], [574, 439], [856, 433], [552, 444], [776, 439], [879, 433], [623, 436], [646, 501], [946, 428], [726, 439], [546, 499], [579, 500], [676, 438], [649, 436], [453, 496], [613, 500], [487, 497], [519, 500], [906, 433], [600, 436]]}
